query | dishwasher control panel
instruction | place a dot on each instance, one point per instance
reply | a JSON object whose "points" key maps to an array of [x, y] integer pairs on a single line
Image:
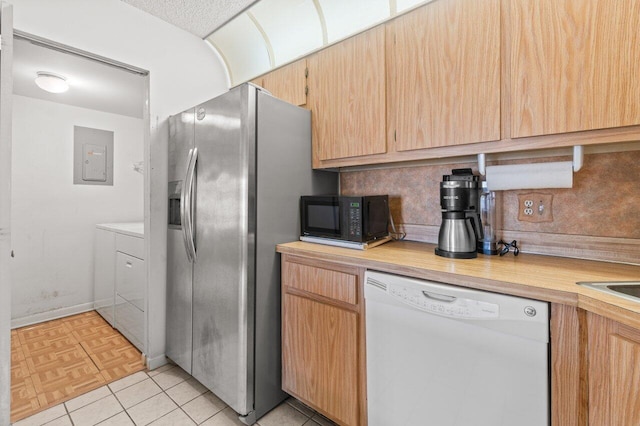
{"points": [[444, 305]]}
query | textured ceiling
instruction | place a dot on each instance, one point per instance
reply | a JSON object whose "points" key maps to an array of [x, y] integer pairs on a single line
{"points": [[199, 17]]}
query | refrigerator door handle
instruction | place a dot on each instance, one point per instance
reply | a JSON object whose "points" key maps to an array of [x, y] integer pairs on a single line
{"points": [[190, 205], [185, 206]]}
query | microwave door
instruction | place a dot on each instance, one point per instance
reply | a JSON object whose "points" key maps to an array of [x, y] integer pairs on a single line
{"points": [[376, 217], [322, 219]]}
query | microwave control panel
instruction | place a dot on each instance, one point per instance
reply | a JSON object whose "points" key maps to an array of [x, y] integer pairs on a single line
{"points": [[355, 215]]}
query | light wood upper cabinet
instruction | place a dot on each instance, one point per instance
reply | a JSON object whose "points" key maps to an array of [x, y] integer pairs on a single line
{"points": [[614, 373], [288, 83], [443, 83], [460, 77], [347, 97], [574, 65], [259, 81]]}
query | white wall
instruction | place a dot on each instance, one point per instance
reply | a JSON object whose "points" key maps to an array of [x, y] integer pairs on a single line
{"points": [[183, 73], [52, 219]]}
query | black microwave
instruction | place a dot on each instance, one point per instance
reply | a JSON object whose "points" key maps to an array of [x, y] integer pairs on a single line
{"points": [[358, 219]]}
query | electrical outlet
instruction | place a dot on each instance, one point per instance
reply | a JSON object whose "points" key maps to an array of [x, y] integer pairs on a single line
{"points": [[535, 207]]}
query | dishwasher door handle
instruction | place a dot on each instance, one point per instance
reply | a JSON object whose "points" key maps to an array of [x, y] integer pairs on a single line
{"points": [[440, 297]]}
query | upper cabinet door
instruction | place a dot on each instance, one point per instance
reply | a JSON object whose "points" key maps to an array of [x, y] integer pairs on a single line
{"points": [[574, 65], [288, 83], [347, 97], [444, 74]]}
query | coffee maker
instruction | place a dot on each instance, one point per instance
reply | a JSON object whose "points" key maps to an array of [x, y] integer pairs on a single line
{"points": [[461, 227]]}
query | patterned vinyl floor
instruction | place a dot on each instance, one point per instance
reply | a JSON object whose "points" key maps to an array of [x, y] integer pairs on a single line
{"points": [[57, 360]]}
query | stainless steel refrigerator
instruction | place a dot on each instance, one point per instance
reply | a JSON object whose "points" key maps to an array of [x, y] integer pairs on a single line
{"points": [[237, 167]]}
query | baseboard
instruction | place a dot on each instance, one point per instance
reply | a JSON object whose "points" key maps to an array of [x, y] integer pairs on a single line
{"points": [[420, 233], [157, 361], [621, 250], [51, 315], [608, 249]]}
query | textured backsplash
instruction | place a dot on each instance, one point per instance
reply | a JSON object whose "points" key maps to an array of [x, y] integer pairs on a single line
{"points": [[604, 200]]}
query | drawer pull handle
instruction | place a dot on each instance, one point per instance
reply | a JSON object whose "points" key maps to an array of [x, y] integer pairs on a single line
{"points": [[129, 264]]}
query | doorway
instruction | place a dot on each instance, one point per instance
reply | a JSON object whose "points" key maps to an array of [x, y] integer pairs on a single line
{"points": [[56, 201]]}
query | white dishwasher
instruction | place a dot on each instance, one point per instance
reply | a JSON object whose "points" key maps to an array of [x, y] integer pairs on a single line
{"points": [[444, 355]]}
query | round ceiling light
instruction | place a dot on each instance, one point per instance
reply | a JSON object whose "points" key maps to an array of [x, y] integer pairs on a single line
{"points": [[51, 82]]}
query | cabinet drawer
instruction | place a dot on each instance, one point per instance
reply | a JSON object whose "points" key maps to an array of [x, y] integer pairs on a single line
{"points": [[104, 274], [129, 320], [324, 282], [130, 245], [130, 279]]}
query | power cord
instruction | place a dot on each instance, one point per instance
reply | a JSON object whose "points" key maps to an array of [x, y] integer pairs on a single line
{"points": [[507, 246]]}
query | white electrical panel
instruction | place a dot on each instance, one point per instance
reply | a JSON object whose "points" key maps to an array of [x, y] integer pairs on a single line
{"points": [[94, 162], [92, 156]]}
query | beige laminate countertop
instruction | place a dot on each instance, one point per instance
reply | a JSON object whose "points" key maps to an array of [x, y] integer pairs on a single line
{"points": [[547, 278]]}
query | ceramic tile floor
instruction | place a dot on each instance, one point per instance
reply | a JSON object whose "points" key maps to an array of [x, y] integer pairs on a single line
{"points": [[166, 396]]}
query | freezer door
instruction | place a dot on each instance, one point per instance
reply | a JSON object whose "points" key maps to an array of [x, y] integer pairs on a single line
{"points": [[223, 293], [179, 269], [181, 140], [179, 301]]}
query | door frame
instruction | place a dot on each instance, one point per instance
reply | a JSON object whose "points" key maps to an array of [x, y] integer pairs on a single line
{"points": [[6, 93]]}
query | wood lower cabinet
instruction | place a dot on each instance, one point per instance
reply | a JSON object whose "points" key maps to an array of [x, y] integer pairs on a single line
{"points": [[614, 373], [322, 356], [594, 361], [568, 366], [323, 359], [573, 65], [595, 370], [443, 83]]}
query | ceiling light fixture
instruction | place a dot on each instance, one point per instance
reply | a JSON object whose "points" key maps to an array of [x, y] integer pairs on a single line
{"points": [[51, 82]]}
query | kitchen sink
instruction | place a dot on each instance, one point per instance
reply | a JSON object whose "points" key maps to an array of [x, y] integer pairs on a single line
{"points": [[629, 290]]}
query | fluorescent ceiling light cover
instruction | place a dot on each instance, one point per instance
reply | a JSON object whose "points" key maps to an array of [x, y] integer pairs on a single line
{"points": [[51, 82], [345, 18], [243, 48], [272, 33], [402, 5], [292, 27]]}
